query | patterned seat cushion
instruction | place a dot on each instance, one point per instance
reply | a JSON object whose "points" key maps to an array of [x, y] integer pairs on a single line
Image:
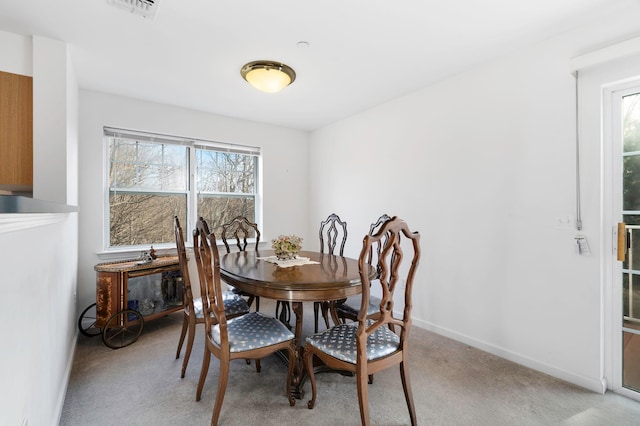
{"points": [[253, 330], [340, 342], [233, 305], [353, 306]]}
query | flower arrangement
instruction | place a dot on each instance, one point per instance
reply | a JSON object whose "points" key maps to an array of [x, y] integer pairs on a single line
{"points": [[286, 246]]}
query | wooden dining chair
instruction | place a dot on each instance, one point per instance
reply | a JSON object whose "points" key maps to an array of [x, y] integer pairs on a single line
{"points": [[249, 336], [370, 345], [348, 309], [234, 305], [332, 230], [240, 229]]}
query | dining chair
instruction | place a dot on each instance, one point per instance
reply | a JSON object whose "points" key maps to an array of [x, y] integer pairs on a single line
{"points": [[249, 336], [240, 229], [348, 309], [332, 230], [234, 305], [368, 346]]}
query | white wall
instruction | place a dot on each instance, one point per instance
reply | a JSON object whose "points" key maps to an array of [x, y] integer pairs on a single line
{"points": [[284, 154], [483, 165], [50, 103], [39, 256], [39, 274]]}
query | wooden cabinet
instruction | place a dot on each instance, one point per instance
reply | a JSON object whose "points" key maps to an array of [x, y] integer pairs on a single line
{"points": [[154, 289], [16, 132]]}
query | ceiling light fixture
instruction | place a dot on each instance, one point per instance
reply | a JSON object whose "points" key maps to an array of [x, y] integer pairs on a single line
{"points": [[268, 76]]}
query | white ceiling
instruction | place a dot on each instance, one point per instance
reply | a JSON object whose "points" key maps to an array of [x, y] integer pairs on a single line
{"points": [[361, 52]]}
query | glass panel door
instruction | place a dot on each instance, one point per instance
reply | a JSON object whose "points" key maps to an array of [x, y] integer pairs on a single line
{"points": [[630, 320]]}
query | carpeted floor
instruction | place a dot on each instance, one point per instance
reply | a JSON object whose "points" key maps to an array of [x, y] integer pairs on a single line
{"points": [[453, 384]]}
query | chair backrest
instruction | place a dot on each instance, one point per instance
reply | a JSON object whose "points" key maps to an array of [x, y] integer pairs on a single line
{"points": [[208, 262], [379, 244], [240, 228], [390, 261], [330, 229], [187, 294]]}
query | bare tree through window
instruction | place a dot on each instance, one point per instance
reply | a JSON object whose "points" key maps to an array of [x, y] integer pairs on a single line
{"points": [[149, 183]]}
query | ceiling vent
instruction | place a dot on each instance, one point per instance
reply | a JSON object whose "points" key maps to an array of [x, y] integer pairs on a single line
{"points": [[144, 8]]}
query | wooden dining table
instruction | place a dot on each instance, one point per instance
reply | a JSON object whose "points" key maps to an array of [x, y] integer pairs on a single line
{"points": [[332, 278]]}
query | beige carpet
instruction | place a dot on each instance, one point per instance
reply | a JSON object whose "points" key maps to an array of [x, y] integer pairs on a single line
{"points": [[453, 384]]}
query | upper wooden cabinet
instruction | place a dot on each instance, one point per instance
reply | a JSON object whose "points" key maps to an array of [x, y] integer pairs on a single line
{"points": [[16, 132]]}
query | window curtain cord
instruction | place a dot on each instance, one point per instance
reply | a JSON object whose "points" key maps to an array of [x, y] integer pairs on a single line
{"points": [[577, 111]]}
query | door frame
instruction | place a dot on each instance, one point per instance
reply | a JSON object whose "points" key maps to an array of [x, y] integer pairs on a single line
{"points": [[612, 95]]}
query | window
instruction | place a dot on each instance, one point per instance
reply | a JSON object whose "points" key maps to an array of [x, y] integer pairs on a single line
{"points": [[151, 178]]}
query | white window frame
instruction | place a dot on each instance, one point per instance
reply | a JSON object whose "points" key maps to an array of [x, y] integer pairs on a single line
{"points": [[191, 192]]}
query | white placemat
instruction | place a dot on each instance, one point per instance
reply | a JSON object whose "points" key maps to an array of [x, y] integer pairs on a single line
{"points": [[298, 261]]}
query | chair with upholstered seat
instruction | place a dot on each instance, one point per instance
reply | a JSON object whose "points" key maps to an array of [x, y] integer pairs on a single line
{"points": [[349, 308], [369, 346], [249, 336], [234, 304], [332, 230], [240, 229]]}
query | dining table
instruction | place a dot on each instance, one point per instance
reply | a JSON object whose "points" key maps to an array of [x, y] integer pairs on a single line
{"points": [[312, 277]]}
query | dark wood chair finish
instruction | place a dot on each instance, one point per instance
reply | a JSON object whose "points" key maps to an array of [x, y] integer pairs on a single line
{"points": [[192, 315], [189, 319], [332, 230], [378, 346], [240, 229], [348, 310], [232, 339], [332, 278]]}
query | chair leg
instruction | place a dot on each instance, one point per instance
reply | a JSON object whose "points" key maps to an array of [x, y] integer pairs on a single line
{"points": [[251, 299], [325, 313], [316, 309], [206, 359], [283, 312], [187, 353], [185, 322], [308, 363], [258, 367], [408, 395], [363, 393], [334, 313], [222, 388]]}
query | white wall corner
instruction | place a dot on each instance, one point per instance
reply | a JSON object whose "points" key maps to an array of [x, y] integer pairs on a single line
{"points": [[619, 50]]}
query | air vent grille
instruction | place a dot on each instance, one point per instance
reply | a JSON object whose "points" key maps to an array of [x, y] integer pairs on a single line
{"points": [[145, 8]]}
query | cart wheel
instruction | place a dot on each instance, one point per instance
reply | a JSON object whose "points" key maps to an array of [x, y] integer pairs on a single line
{"points": [[123, 329], [87, 322]]}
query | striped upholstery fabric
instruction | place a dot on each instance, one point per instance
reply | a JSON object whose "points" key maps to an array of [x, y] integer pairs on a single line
{"points": [[340, 342], [253, 330], [233, 305]]}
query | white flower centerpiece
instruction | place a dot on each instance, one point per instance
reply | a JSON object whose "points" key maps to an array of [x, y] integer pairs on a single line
{"points": [[286, 246]]}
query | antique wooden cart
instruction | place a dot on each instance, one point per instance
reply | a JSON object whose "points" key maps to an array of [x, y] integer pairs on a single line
{"points": [[128, 293]]}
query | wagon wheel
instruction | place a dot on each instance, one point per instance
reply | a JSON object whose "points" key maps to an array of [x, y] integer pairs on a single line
{"points": [[87, 322], [123, 329]]}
